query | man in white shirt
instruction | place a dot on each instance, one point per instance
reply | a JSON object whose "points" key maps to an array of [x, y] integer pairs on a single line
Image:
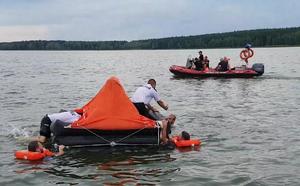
{"points": [[65, 118], [144, 95]]}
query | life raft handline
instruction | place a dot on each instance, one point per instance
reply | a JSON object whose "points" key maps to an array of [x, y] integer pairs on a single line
{"points": [[112, 143]]}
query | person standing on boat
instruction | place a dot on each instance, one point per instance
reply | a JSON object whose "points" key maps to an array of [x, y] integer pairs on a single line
{"points": [[144, 95], [199, 61], [201, 57]]}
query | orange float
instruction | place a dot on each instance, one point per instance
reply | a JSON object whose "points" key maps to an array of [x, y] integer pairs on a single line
{"points": [[185, 143], [28, 155], [246, 54]]}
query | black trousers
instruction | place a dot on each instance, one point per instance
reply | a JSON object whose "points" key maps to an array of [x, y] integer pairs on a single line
{"points": [[143, 110], [45, 127]]}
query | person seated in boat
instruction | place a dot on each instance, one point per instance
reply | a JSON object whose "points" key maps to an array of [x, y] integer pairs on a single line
{"points": [[144, 95], [166, 125], [64, 117], [36, 146], [223, 65], [201, 57], [205, 63], [198, 64]]}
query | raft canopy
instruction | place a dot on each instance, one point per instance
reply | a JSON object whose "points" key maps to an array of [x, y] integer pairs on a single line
{"points": [[111, 109]]}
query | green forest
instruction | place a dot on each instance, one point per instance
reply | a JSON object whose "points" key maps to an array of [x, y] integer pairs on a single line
{"points": [[237, 39]]}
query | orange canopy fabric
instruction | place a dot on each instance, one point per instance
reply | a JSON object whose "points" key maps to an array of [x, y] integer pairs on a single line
{"points": [[111, 109]]}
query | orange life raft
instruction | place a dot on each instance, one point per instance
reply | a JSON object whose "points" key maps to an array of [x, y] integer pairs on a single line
{"points": [[185, 143], [28, 155]]}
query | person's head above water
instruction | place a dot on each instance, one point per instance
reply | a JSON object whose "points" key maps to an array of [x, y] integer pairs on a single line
{"points": [[185, 135], [35, 146]]}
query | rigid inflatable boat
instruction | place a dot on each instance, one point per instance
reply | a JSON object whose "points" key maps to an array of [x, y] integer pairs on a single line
{"points": [[108, 119], [238, 72], [243, 71]]}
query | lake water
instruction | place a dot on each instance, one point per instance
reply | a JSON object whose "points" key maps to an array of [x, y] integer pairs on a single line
{"points": [[249, 127]]}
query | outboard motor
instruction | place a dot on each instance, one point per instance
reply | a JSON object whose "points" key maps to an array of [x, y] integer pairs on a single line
{"points": [[259, 68]]}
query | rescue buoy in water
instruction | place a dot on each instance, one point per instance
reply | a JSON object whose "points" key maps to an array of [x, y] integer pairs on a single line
{"points": [[28, 155], [185, 143]]}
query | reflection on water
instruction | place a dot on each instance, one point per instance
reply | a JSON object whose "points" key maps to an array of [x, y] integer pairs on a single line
{"points": [[124, 171], [113, 166]]}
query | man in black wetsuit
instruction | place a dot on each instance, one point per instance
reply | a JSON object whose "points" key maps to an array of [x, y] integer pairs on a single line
{"points": [[199, 61]]}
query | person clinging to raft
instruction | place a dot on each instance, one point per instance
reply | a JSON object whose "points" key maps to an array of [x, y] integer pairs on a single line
{"points": [[166, 125], [36, 146], [184, 136]]}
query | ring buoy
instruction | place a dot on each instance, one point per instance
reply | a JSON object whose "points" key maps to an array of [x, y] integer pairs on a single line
{"points": [[185, 143], [28, 155], [246, 54]]}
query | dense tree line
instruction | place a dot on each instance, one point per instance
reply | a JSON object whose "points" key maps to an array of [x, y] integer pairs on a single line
{"points": [[237, 39]]}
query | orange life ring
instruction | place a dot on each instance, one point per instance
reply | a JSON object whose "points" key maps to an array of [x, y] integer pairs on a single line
{"points": [[27, 155], [246, 54], [185, 143]]}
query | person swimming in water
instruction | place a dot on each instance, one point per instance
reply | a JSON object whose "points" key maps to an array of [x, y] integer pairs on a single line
{"points": [[36, 146]]}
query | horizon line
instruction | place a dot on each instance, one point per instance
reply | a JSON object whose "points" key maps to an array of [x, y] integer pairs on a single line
{"points": [[153, 38]]}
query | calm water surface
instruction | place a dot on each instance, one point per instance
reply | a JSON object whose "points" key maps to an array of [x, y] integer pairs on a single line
{"points": [[249, 127]]}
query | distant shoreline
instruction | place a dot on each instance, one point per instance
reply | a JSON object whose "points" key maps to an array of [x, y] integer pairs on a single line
{"points": [[278, 37], [144, 49], [277, 46]]}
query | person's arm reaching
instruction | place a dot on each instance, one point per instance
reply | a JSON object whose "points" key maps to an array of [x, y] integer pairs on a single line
{"points": [[60, 150], [158, 100], [151, 108], [163, 105]]}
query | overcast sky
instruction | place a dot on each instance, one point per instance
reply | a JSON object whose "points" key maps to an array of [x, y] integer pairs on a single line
{"points": [[100, 20]]}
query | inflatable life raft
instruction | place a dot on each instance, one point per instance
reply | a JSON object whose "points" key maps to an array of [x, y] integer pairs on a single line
{"points": [[108, 119], [238, 72]]}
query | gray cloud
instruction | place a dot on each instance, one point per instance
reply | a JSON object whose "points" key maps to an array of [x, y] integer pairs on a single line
{"points": [[140, 19]]}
